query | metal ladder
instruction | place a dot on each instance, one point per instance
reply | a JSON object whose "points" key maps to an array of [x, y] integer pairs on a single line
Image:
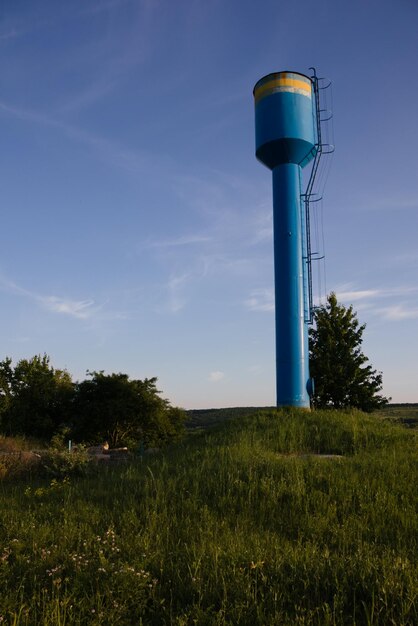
{"points": [[309, 197]]}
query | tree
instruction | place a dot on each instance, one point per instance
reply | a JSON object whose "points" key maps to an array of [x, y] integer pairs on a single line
{"points": [[339, 368], [6, 392], [123, 412], [35, 399]]}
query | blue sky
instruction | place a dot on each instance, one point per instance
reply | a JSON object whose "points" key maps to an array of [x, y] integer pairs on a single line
{"points": [[136, 222]]}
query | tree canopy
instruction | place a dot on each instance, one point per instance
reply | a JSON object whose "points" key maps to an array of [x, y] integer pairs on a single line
{"points": [[342, 375], [114, 408], [39, 401], [35, 398]]}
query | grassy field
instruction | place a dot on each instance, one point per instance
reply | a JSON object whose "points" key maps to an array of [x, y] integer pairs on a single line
{"points": [[406, 414], [275, 518]]}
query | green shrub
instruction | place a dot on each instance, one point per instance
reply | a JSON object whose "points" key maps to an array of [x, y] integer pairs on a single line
{"points": [[59, 463]]}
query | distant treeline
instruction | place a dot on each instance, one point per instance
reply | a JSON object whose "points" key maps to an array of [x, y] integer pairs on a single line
{"points": [[39, 401]]}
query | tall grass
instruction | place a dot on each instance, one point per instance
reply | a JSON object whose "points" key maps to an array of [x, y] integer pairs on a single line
{"points": [[240, 525]]}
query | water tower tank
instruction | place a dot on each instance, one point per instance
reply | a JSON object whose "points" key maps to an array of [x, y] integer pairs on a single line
{"points": [[285, 119]]}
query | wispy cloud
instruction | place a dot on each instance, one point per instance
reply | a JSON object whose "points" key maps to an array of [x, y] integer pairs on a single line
{"points": [[80, 309], [399, 312], [175, 286], [230, 200], [27, 24], [132, 161], [100, 62], [393, 204], [232, 241], [263, 227], [405, 259], [371, 299], [112, 57], [216, 376], [382, 203], [261, 300], [99, 7], [11, 34], [184, 240], [354, 296]]}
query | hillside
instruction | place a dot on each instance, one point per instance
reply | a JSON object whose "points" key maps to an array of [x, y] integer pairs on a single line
{"points": [[279, 517], [204, 418]]}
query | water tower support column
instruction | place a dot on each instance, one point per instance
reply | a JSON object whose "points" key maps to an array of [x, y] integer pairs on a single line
{"points": [[292, 358]]}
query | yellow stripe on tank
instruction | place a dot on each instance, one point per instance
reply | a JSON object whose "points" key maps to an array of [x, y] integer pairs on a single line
{"points": [[283, 84]]}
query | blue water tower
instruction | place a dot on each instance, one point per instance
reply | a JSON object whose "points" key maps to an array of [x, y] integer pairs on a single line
{"points": [[286, 140]]}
